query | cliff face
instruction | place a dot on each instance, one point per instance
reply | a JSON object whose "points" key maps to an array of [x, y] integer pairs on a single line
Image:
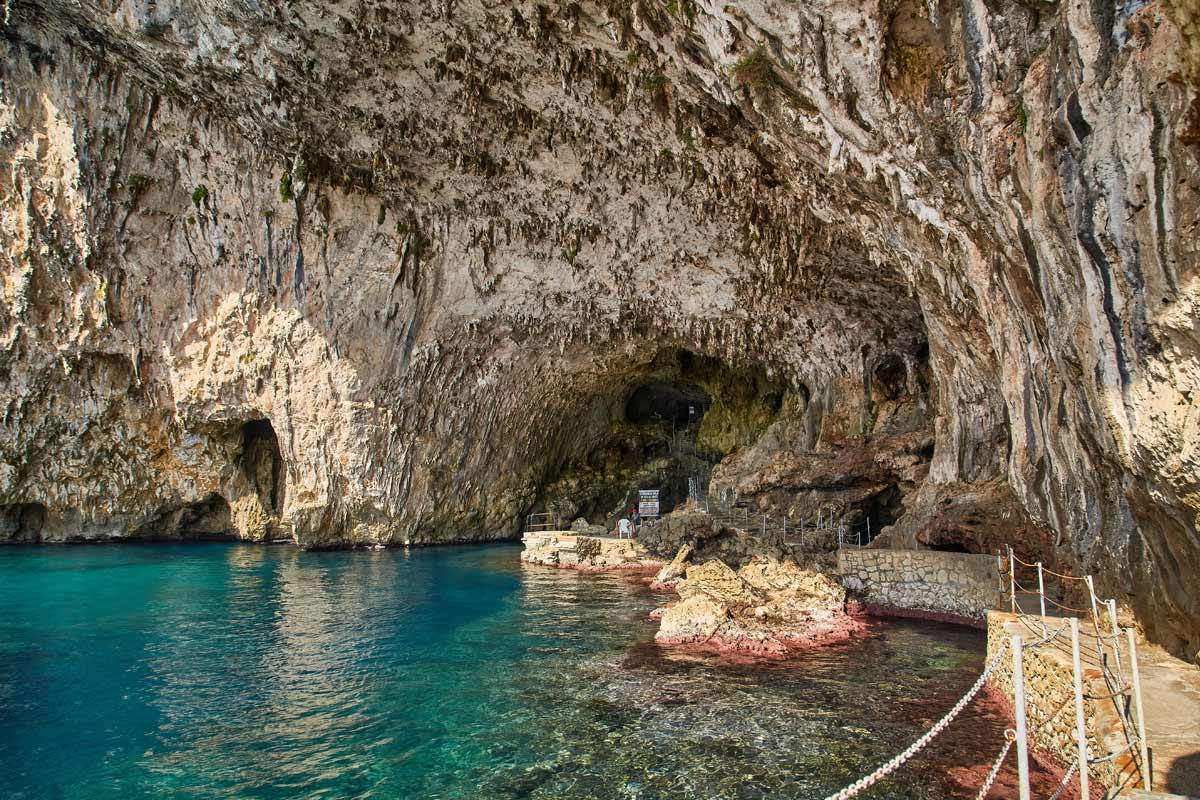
{"points": [[357, 272]]}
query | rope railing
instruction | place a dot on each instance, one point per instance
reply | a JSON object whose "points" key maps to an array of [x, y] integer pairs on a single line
{"points": [[867, 781], [1010, 736]]}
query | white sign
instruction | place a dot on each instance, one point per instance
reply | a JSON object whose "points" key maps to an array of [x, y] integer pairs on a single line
{"points": [[648, 502]]}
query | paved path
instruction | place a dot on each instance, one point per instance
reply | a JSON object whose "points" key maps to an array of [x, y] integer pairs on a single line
{"points": [[1171, 692]]}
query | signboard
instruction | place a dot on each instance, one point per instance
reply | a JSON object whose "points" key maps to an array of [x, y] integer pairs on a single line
{"points": [[648, 503]]}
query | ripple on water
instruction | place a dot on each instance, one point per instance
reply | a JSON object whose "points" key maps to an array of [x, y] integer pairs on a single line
{"points": [[227, 670]]}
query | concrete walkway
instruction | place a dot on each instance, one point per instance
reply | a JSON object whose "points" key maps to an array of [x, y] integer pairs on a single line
{"points": [[1171, 693]]}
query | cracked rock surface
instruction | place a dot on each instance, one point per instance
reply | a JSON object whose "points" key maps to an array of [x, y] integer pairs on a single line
{"points": [[372, 272]]}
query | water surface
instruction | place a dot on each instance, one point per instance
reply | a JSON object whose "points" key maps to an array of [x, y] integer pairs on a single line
{"points": [[204, 671]]}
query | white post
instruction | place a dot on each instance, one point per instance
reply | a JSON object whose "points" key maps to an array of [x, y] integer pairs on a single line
{"points": [[1091, 584], [1116, 639], [868, 530], [1147, 778], [1012, 581], [999, 574], [764, 529], [1019, 702], [1080, 723], [1041, 592]]}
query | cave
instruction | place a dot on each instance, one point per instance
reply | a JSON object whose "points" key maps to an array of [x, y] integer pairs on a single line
{"points": [[882, 510], [890, 378], [678, 404], [262, 464], [22, 522], [208, 519]]}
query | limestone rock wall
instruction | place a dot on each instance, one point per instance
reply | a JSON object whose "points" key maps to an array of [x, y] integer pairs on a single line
{"points": [[432, 244]]}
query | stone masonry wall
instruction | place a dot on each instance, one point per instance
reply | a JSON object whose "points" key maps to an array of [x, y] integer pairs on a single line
{"points": [[1050, 699], [922, 580]]}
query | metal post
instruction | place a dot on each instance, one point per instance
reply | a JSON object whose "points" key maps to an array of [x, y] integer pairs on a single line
{"points": [[1116, 641], [1019, 702], [1041, 592], [764, 524], [1147, 777], [1091, 584], [1012, 581], [1080, 724]]}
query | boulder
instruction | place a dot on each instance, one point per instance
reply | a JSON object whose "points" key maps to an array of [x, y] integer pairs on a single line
{"points": [[673, 571]]}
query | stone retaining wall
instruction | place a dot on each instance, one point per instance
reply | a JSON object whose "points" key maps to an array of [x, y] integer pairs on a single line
{"points": [[958, 584]]}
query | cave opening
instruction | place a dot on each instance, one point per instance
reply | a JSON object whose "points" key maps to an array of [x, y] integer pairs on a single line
{"points": [[210, 518], [882, 510], [949, 547], [681, 404], [662, 425], [262, 464], [22, 522]]}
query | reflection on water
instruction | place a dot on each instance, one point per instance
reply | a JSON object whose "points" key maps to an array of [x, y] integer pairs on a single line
{"points": [[227, 670]]}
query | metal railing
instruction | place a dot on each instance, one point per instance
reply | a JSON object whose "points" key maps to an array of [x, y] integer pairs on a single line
{"points": [[544, 521], [1124, 693]]}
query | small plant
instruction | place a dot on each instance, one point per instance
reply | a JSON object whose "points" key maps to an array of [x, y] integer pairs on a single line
{"points": [[632, 58], [755, 70], [268, 214], [138, 182], [656, 83], [199, 195], [1021, 116], [285, 188]]}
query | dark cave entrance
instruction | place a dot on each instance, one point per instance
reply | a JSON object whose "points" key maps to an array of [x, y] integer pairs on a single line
{"points": [[262, 464], [22, 522], [679, 404], [950, 547], [209, 518], [882, 510]]}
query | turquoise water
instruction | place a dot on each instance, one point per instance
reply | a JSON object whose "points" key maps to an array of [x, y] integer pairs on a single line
{"points": [[204, 671]]}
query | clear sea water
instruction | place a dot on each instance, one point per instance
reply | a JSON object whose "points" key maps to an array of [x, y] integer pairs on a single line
{"points": [[217, 670]]}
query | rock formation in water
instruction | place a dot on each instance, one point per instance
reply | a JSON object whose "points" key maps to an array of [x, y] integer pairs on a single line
{"points": [[766, 608], [382, 272]]}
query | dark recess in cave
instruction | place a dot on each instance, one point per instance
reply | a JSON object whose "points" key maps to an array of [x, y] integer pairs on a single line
{"points": [[680, 403], [884, 509], [22, 522], [262, 463], [209, 518], [949, 547], [891, 378]]}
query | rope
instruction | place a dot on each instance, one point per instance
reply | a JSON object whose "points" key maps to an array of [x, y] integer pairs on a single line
{"points": [[1118, 693], [898, 761], [1066, 779], [1134, 740], [1019, 561], [1067, 608], [1010, 736], [1064, 577]]}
